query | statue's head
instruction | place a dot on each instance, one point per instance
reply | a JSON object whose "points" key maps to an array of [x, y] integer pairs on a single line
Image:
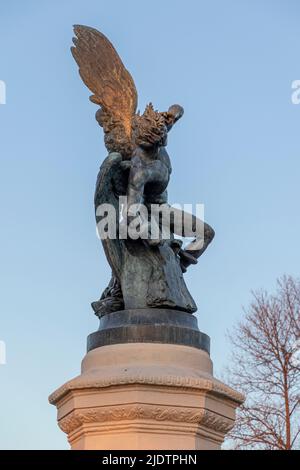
{"points": [[151, 129]]}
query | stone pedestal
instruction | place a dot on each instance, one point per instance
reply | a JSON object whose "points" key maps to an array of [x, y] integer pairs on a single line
{"points": [[146, 395]]}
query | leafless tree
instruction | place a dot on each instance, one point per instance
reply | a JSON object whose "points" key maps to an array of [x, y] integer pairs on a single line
{"points": [[265, 365]]}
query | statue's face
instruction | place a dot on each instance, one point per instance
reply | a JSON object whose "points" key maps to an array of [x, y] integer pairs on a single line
{"points": [[146, 145], [150, 137]]}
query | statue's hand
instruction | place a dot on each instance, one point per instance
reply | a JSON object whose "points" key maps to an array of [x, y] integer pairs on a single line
{"points": [[154, 241]]}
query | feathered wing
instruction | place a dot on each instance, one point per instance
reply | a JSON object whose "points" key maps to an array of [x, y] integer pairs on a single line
{"points": [[103, 72]]}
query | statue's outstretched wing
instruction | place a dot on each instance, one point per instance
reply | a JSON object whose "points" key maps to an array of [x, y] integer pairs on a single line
{"points": [[103, 72]]}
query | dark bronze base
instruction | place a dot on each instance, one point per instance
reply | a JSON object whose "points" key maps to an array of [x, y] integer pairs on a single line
{"points": [[149, 326]]}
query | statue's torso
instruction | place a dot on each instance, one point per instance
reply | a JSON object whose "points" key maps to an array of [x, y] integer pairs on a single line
{"points": [[151, 175]]}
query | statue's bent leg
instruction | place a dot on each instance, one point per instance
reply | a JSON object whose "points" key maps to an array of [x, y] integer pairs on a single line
{"points": [[196, 248], [188, 225]]}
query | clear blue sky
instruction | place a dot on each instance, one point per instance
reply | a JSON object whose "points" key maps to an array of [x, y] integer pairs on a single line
{"points": [[237, 149]]}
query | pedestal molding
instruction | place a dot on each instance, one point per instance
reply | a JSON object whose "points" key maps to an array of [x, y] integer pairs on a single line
{"points": [[207, 418], [90, 382]]}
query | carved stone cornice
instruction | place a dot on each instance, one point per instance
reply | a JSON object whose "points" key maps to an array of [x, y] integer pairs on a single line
{"points": [[90, 381], [200, 417]]}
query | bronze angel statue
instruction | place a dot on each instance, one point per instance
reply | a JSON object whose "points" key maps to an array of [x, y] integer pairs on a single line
{"points": [[146, 272]]}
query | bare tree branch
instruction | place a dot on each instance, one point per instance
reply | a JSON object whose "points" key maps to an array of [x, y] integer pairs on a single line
{"points": [[263, 366]]}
